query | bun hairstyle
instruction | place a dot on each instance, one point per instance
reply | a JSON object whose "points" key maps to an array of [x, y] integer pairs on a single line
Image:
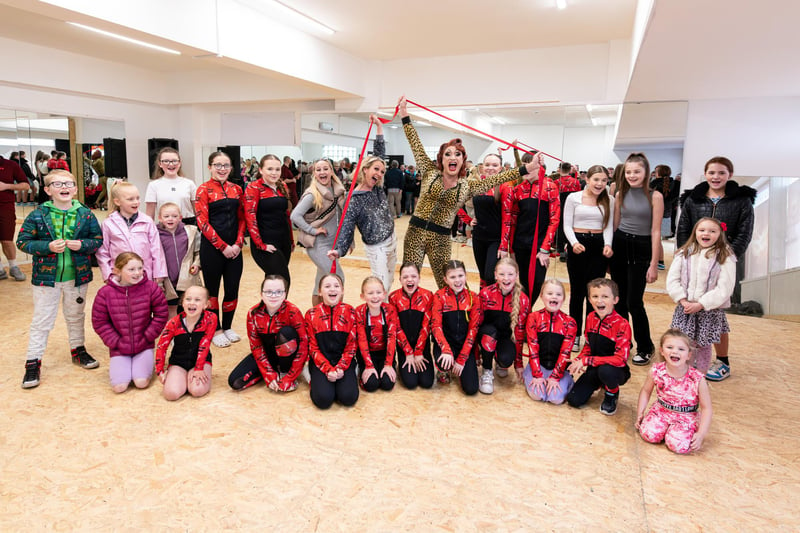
{"points": [[460, 147], [116, 190]]}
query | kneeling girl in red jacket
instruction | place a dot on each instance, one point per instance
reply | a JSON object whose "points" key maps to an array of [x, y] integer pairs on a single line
{"points": [[331, 328], [128, 314], [189, 366], [456, 315], [278, 342]]}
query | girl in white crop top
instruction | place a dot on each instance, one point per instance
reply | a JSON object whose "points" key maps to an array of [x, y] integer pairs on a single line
{"points": [[589, 227]]}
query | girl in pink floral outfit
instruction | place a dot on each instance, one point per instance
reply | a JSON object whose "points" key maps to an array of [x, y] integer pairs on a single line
{"points": [[681, 414]]}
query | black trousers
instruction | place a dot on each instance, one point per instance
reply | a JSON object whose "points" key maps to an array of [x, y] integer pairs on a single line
{"points": [[629, 266], [582, 269], [485, 253], [505, 351], [607, 376], [276, 262], [324, 392], [218, 269], [374, 383], [469, 375], [411, 378], [523, 257], [246, 374]]}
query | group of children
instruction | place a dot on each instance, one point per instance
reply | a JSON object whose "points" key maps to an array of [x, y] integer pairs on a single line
{"points": [[411, 333]]}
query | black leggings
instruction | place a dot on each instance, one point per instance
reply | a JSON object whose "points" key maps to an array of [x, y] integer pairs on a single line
{"points": [[410, 377], [276, 262], [504, 352], [324, 392], [469, 375], [583, 268], [607, 376], [374, 383], [218, 268], [485, 253], [523, 258], [246, 374], [629, 266]]}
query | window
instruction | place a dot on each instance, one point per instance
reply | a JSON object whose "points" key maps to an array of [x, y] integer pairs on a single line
{"points": [[337, 153]]}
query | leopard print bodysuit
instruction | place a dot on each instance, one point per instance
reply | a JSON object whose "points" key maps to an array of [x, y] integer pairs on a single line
{"points": [[429, 228]]}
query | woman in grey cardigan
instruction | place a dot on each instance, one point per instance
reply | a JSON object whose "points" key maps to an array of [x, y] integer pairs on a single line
{"points": [[317, 216]]}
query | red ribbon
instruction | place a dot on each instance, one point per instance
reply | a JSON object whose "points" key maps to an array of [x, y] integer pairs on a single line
{"points": [[532, 265]]}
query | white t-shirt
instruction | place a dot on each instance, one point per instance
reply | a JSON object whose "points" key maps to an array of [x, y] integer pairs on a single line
{"points": [[177, 190]]}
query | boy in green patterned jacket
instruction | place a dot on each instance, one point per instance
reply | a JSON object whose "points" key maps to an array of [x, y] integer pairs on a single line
{"points": [[61, 235]]}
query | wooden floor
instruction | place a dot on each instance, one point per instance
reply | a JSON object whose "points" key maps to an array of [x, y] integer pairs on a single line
{"points": [[75, 456]]}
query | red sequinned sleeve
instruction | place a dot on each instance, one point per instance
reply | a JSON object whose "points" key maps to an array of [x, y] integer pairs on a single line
{"points": [[240, 216], [252, 195], [569, 328], [314, 353], [554, 203], [172, 328], [519, 331], [256, 325], [361, 335], [464, 217], [202, 200], [615, 328], [475, 318], [509, 209], [209, 326], [437, 312], [348, 316]]}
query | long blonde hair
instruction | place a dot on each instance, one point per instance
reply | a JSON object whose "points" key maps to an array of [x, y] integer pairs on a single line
{"points": [[514, 315], [313, 187]]}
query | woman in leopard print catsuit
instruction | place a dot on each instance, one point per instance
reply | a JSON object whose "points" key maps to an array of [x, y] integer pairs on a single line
{"points": [[444, 190]]}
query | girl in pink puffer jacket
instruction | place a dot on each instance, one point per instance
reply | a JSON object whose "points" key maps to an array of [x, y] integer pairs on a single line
{"points": [[128, 314]]}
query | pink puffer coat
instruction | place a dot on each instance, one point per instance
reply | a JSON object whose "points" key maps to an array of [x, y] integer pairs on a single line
{"points": [[129, 319]]}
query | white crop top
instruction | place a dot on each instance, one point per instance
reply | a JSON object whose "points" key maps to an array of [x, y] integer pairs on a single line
{"points": [[577, 215]]}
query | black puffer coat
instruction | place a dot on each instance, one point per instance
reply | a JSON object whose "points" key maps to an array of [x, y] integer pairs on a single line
{"points": [[735, 209]]}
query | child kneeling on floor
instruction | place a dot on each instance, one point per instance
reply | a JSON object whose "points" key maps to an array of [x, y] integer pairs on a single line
{"points": [[189, 367], [128, 314], [604, 358]]}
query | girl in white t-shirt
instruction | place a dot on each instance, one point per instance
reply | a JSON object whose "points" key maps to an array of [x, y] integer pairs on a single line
{"points": [[169, 185]]}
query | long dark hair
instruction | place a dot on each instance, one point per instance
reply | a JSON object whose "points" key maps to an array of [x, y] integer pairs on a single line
{"points": [[602, 198]]}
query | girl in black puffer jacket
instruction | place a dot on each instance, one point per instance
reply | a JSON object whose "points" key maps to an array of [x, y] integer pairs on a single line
{"points": [[732, 204]]}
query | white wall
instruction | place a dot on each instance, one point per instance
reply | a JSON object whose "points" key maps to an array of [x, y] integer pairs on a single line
{"points": [[761, 136]]}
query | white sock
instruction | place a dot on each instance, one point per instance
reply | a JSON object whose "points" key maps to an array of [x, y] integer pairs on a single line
{"points": [[12, 263]]}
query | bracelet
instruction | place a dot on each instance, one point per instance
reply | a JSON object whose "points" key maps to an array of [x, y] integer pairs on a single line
{"points": [[543, 251]]}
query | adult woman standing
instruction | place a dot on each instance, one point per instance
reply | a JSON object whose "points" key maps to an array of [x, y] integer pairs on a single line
{"points": [[266, 210], [732, 204], [637, 241], [444, 191], [317, 216], [169, 185], [220, 219], [369, 211]]}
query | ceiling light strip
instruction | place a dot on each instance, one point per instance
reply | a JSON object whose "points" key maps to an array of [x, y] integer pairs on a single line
{"points": [[126, 39]]}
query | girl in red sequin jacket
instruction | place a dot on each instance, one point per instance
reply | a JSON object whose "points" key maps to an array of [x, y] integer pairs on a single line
{"points": [[331, 328], [456, 315]]}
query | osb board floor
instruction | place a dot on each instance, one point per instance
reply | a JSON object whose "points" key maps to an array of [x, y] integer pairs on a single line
{"points": [[75, 456]]}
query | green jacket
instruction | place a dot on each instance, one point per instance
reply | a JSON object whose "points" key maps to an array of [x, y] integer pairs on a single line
{"points": [[36, 234]]}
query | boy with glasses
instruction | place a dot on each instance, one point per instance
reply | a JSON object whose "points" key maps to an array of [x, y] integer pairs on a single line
{"points": [[61, 235]]}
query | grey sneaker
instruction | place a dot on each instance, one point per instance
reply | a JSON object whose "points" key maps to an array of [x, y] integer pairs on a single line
{"points": [[16, 273], [486, 385], [3, 273]]}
